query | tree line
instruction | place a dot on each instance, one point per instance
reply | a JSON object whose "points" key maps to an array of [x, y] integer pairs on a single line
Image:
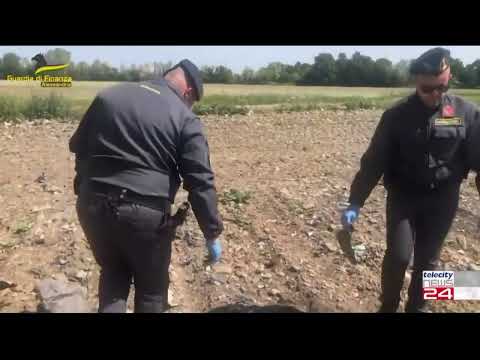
{"points": [[326, 70]]}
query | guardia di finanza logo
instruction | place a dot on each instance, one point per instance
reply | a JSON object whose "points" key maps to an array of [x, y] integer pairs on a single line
{"points": [[42, 67]]}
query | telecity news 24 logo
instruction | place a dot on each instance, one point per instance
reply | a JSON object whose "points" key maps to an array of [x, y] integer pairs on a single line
{"points": [[438, 285], [42, 67]]}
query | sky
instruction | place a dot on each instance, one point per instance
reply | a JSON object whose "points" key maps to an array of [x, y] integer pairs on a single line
{"points": [[235, 57]]}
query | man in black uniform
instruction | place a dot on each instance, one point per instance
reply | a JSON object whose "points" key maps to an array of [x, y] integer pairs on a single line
{"points": [[133, 146], [424, 148]]}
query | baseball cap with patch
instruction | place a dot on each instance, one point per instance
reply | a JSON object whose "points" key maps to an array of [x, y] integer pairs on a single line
{"points": [[433, 62], [193, 74]]}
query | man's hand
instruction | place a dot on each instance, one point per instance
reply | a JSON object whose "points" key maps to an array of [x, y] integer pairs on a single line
{"points": [[214, 248], [350, 215]]}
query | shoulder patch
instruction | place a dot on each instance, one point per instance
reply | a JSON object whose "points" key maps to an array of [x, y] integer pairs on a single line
{"points": [[150, 89], [400, 103]]}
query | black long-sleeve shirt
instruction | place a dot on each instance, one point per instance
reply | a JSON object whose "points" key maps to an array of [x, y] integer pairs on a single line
{"points": [[142, 137], [415, 149]]}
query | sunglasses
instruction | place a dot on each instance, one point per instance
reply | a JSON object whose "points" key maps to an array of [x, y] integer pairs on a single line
{"points": [[426, 89]]}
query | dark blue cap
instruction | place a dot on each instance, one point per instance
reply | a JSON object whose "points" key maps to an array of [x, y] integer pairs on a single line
{"points": [[193, 74], [433, 62]]}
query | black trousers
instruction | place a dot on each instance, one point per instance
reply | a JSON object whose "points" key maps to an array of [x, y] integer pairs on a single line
{"points": [[129, 242], [418, 223]]}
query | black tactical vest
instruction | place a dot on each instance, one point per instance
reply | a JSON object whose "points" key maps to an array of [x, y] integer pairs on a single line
{"points": [[429, 149]]}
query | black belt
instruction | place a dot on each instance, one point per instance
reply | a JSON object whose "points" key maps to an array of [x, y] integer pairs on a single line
{"points": [[119, 194], [418, 189]]}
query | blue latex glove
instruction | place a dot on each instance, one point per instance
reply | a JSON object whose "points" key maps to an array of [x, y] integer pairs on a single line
{"points": [[350, 215], [214, 248]]}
